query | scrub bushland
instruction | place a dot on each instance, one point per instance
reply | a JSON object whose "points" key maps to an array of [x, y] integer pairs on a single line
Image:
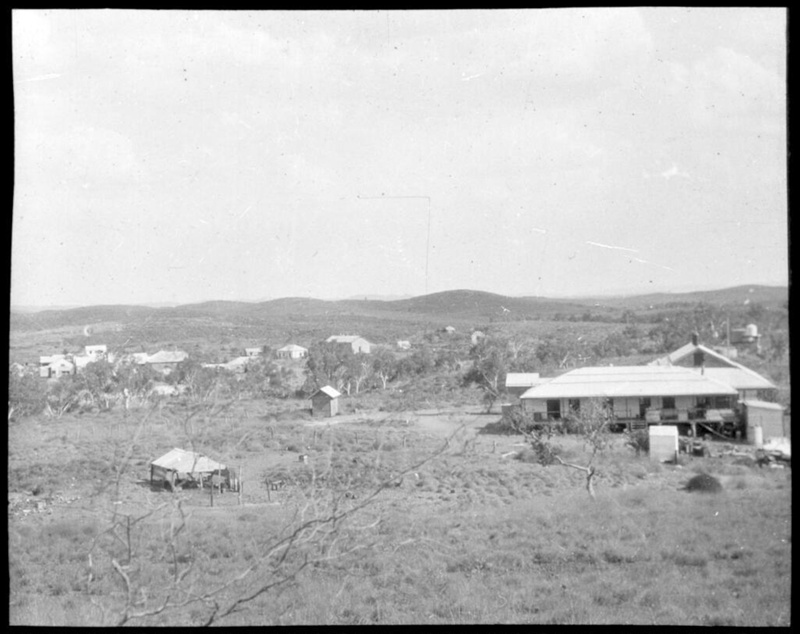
{"points": [[385, 522]]}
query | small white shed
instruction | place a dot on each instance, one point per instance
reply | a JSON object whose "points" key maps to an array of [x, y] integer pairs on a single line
{"points": [[663, 443], [768, 416]]}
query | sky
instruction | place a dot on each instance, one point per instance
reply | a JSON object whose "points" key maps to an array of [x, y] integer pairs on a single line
{"points": [[186, 156]]}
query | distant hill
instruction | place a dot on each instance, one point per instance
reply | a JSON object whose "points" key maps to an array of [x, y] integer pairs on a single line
{"points": [[768, 296], [83, 316], [456, 305], [466, 303], [380, 298]]}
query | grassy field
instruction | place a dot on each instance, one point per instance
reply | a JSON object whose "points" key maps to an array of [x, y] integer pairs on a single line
{"points": [[473, 535]]}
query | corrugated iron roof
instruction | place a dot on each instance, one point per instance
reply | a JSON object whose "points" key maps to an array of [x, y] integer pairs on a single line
{"points": [[683, 352], [736, 379], [168, 356], [620, 381], [523, 379], [187, 462], [293, 348], [762, 404], [60, 363], [343, 338], [329, 391], [740, 378]]}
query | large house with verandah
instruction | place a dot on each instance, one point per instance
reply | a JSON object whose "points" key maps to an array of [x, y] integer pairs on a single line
{"points": [[634, 396]]}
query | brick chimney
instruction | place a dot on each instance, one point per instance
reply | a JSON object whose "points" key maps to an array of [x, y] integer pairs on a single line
{"points": [[699, 356]]}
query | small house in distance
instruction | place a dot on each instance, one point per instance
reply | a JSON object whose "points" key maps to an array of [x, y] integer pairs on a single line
{"points": [[166, 361], [325, 402], [291, 351], [252, 352], [356, 343], [96, 352], [404, 345], [55, 367]]}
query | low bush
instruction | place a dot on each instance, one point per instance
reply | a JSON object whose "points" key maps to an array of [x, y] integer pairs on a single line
{"points": [[638, 440], [703, 483]]}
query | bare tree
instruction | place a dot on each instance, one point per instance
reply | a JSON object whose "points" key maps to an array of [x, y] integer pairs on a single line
{"points": [[592, 423], [323, 527]]}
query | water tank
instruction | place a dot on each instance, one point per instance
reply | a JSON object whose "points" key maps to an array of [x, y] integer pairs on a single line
{"points": [[751, 330], [758, 436]]}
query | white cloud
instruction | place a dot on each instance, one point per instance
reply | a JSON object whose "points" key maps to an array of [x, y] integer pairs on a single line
{"points": [[730, 90]]}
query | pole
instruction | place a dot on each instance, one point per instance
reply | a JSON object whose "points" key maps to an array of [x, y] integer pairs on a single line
{"points": [[128, 535], [728, 330], [241, 484]]}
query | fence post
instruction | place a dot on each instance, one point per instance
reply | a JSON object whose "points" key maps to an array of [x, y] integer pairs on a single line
{"points": [[241, 484]]}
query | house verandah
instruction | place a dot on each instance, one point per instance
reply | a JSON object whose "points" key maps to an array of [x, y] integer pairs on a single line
{"points": [[636, 396]]}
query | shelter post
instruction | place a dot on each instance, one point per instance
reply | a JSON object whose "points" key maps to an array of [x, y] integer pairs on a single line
{"points": [[239, 484]]}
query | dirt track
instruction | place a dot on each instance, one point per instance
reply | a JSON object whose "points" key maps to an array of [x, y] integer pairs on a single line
{"points": [[438, 422]]}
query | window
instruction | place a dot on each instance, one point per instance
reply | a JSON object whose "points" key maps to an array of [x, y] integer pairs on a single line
{"points": [[554, 409], [723, 402], [668, 408]]}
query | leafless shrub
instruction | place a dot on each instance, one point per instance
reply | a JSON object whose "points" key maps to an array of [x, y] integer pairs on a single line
{"points": [[329, 523]]}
